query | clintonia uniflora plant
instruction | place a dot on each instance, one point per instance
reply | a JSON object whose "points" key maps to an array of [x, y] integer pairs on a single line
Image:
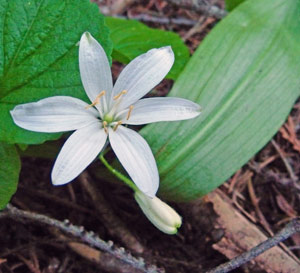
{"points": [[111, 108]]}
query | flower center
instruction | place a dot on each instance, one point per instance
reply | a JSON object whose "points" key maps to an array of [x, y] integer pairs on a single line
{"points": [[111, 118], [108, 118], [114, 124]]}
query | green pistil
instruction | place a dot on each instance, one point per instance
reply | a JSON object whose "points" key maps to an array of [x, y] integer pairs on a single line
{"points": [[109, 119]]}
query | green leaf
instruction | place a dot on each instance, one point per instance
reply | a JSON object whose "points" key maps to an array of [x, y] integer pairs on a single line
{"points": [[9, 172], [39, 55], [246, 76], [132, 38], [232, 4]]}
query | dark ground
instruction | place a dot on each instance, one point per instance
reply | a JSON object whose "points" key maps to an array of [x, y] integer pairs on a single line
{"points": [[31, 247]]}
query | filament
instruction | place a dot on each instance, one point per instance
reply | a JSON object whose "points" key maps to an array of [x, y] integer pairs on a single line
{"points": [[117, 125], [105, 126], [129, 112], [120, 94], [97, 99]]}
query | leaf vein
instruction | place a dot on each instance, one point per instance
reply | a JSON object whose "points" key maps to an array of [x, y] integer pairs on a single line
{"points": [[10, 65]]}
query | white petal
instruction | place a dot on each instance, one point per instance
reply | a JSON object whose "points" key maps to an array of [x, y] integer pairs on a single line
{"points": [[143, 73], [78, 152], [94, 69], [161, 109], [136, 157], [54, 114]]}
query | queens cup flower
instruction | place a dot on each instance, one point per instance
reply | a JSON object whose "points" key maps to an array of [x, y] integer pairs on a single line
{"points": [[111, 108], [160, 214]]}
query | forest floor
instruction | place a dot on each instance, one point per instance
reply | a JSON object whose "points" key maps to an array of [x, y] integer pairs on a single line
{"points": [[265, 194]]}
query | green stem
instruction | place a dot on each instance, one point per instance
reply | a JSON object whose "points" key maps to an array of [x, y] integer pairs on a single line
{"points": [[122, 177]]}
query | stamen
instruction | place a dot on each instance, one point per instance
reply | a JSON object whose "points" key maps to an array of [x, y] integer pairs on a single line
{"points": [[129, 112], [97, 99], [116, 104], [117, 125], [120, 94], [105, 126]]}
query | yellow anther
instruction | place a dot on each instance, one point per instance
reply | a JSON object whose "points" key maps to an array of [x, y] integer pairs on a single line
{"points": [[129, 112], [97, 99], [105, 126], [120, 94], [117, 125]]}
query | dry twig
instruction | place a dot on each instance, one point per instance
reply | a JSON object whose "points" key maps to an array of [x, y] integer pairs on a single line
{"points": [[288, 132], [79, 232], [284, 205], [159, 20], [200, 6], [255, 202], [240, 236], [286, 163], [290, 229], [199, 27], [234, 180], [104, 260], [30, 265]]}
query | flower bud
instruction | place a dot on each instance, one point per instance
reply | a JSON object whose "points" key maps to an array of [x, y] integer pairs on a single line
{"points": [[159, 213]]}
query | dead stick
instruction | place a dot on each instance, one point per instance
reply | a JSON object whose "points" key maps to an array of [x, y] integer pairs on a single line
{"points": [[160, 20], [79, 232], [200, 6], [290, 229], [286, 162], [104, 260]]}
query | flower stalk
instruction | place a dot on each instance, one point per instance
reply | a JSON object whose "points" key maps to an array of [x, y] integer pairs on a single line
{"points": [[118, 174], [160, 214]]}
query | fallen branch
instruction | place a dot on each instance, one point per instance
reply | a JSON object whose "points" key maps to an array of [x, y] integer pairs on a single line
{"points": [[159, 20], [200, 6], [104, 261], [79, 232]]}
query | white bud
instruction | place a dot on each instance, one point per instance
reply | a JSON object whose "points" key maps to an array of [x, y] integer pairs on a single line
{"points": [[159, 213]]}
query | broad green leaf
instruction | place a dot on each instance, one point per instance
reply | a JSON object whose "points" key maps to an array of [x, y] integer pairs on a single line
{"points": [[39, 55], [132, 38], [246, 76], [9, 172], [232, 4]]}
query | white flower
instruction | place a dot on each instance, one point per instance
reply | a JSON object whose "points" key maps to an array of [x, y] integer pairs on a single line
{"points": [[159, 213], [111, 108]]}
